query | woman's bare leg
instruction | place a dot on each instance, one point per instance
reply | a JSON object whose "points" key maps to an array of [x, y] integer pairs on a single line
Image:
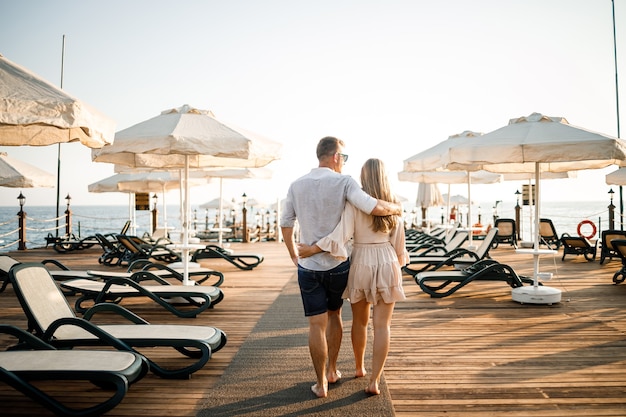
{"points": [[382, 335], [360, 318]]}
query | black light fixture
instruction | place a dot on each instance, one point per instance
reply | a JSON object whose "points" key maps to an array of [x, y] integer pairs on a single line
{"points": [[155, 199], [68, 199], [244, 198], [611, 192], [21, 199], [517, 194]]}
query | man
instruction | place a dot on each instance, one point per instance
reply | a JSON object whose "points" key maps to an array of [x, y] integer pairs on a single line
{"points": [[317, 200]]}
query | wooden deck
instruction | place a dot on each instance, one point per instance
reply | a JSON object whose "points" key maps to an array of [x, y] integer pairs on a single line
{"points": [[475, 353]]}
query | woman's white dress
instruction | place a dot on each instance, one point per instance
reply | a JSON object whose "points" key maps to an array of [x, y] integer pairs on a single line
{"points": [[376, 258]]}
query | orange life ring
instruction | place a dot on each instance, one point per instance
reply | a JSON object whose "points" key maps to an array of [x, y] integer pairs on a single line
{"points": [[593, 229]]}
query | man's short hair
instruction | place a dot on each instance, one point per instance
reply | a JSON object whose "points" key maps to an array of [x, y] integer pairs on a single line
{"points": [[328, 146]]}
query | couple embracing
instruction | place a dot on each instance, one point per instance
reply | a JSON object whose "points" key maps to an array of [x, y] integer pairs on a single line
{"points": [[351, 246]]}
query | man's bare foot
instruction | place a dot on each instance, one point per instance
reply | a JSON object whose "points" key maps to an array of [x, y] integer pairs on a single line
{"points": [[360, 373], [372, 389], [319, 392], [334, 377]]}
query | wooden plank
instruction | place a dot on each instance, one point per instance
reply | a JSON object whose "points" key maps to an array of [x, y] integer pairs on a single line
{"points": [[475, 353]]}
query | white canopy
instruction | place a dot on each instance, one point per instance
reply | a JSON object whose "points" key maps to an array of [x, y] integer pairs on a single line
{"points": [[17, 174], [35, 112]]}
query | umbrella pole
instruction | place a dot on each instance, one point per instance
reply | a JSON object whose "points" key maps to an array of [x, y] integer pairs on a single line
{"points": [[469, 212], [164, 211], [536, 294], [219, 224], [536, 219], [185, 251]]}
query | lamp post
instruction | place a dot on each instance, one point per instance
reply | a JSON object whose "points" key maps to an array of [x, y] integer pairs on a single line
{"points": [[518, 208], [155, 212], [611, 211], [22, 222], [244, 221], [233, 213], [68, 217]]}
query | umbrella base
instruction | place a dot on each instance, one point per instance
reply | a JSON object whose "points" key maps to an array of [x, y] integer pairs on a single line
{"points": [[536, 295]]}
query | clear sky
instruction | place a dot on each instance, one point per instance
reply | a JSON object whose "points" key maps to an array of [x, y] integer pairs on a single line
{"points": [[391, 78]]}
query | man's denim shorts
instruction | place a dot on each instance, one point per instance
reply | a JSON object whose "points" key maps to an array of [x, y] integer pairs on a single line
{"points": [[321, 291]]}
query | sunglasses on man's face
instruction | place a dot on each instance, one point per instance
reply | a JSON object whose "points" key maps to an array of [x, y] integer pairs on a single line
{"points": [[344, 156]]}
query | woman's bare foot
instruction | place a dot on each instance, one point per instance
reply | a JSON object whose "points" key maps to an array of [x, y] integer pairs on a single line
{"points": [[334, 377], [372, 389], [319, 392], [360, 373]]}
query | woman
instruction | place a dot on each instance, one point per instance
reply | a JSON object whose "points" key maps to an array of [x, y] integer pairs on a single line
{"points": [[375, 277]]}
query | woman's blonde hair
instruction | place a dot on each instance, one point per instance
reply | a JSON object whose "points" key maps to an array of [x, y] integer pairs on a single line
{"points": [[375, 182]]}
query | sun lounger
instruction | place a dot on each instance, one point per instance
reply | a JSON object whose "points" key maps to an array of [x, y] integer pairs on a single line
{"points": [[71, 243], [51, 318], [428, 249], [113, 254], [507, 232], [450, 281], [193, 299], [136, 248], [242, 261], [606, 248], [112, 370], [619, 245], [459, 257], [548, 235], [577, 245]]}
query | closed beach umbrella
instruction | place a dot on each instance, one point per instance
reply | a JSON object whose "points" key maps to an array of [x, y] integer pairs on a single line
{"points": [[34, 112], [537, 144], [428, 195], [17, 174], [185, 138]]}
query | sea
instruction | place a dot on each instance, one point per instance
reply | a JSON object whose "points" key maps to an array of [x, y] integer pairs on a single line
{"points": [[41, 221], [565, 215]]}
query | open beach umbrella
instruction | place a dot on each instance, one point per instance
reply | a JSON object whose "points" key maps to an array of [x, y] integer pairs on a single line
{"points": [[184, 138], [617, 177], [450, 177], [234, 173], [17, 174], [145, 182], [217, 203], [436, 158], [34, 112], [537, 144]]}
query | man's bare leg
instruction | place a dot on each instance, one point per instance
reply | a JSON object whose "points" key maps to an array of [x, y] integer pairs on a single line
{"points": [[334, 335], [318, 348]]}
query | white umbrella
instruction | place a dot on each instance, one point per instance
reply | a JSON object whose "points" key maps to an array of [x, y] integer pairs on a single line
{"points": [[450, 177], [537, 143], [187, 138], [234, 173], [216, 203], [35, 112], [436, 158], [617, 177], [428, 195], [17, 174]]}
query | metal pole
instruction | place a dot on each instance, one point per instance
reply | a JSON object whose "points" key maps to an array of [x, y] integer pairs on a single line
{"points": [[621, 195], [59, 146]]}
